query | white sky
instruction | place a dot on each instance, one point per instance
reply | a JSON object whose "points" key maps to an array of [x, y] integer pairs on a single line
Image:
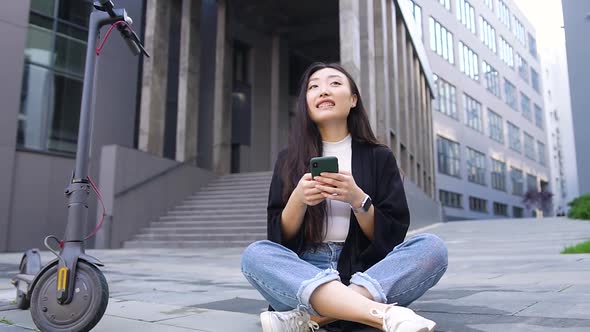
{"points": [[547, 18]]}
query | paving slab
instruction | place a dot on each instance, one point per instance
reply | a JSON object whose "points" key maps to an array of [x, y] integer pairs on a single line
{"points": [[503, 275]]}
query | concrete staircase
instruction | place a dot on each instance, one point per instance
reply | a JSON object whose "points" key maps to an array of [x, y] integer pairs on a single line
{"points": [[229, 212]]}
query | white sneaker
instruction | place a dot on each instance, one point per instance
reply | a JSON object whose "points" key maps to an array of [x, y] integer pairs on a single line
{"points": [[287, 321], [400, 319]]}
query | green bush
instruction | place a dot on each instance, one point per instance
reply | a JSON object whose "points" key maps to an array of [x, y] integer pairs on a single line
{"points": [[580, 207]]}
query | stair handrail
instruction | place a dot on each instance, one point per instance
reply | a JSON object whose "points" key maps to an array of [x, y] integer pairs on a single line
{"points": [[154, 177]]}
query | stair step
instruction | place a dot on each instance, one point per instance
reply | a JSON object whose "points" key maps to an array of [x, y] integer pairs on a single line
{"points": [[202, 237], [221, 216], [202, 223], [186, 244], [240, 199], [219, 206], [213, 229], [258, 211]]}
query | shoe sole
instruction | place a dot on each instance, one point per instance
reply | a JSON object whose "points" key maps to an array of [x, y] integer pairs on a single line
{"points": [[266, 323]]}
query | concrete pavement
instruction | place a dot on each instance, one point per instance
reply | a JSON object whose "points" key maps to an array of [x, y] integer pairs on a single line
{"points": [[503, 275]]}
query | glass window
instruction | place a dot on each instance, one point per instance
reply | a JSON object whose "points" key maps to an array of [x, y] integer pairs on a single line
{"points": [[476, 166], [514, 137], [532, 46], [510, 93], [506, 52], [52, 75], [498, 175], [466, 15], [487, 34], [473, 116], [535, 80], [451, 199], [531, 182], [496, 126], [446, 100], [478, 204], [519, 31], [489, 4], [541, 151], [500, 209], [525, 107], [449, 158], [468, 62], [517, 212], [417, 15], [523, 68], [529, 146], [517, 181], [441, 40], [539, 117], [446, 4], [503, 13], [492, 79]]}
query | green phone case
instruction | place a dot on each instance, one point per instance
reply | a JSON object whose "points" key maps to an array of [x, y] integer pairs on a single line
{"points": [[318, 165]]}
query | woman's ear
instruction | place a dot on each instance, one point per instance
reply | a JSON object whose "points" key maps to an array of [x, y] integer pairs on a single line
{"points": [[354, 100]]}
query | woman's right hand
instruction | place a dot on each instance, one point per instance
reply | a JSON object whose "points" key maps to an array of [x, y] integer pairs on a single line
{"points": [[307, 192]]}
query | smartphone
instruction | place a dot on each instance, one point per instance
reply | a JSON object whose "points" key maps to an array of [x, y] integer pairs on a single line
{"points": [[318, 165]]}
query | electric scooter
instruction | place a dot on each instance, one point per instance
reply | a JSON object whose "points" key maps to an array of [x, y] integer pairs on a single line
{"points": [[70, 293]]}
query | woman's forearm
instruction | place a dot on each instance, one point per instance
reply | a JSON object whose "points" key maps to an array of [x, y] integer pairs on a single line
{"points": [[292, 216], [367, 222]]}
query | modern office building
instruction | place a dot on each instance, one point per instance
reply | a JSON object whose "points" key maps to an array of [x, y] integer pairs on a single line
{"points": [[556, 89], [576, 17], [489, 115], [216, 97]]}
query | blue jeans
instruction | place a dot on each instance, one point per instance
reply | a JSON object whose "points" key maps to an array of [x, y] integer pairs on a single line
{"points": [[287, 281]]}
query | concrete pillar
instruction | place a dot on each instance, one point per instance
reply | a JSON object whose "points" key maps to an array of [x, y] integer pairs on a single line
{"points": [[155, 78], [275, 89], [382, 73], [394, 76], [367, 82], [350, 52], [403, 86], [221, 110], [188, 82]]}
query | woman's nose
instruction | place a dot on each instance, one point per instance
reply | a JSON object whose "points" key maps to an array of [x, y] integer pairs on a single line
{"points": [[323, 91]]}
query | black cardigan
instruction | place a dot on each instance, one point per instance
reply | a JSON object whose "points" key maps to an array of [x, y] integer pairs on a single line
{"points": [[375, 171]]}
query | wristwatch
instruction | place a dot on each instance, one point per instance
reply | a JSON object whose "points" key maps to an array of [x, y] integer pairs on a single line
{"points": [[365, 206]]}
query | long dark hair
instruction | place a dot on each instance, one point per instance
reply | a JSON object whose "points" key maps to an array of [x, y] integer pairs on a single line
{"points": [[305, 142]]}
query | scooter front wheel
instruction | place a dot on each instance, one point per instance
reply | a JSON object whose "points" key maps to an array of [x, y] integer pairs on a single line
{"points": [[91, 296]]}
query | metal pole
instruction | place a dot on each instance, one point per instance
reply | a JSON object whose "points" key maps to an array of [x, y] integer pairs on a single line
{"points": [[79, 190]]}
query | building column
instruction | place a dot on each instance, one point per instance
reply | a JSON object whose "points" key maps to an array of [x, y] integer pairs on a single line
{"points": [[155, 78], [188, 82], [394, 87], [221, 109], [382, 74], [367, 83], [275, 89], [350, 37]]}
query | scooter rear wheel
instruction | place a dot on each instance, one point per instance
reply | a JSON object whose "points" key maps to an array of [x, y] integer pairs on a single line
{"points": [[21, 297], [91, 296]]}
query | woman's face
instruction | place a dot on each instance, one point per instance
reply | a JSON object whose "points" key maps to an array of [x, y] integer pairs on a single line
{"points": [[329, 96]]}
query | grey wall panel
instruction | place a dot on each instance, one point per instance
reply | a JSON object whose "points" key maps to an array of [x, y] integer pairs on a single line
{"points": [[577, 25], [39, 207], [13, 33], [132, 201]]}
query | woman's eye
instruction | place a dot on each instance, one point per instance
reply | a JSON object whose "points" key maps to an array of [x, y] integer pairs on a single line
{"points": [[312, 86], [336, 83]]}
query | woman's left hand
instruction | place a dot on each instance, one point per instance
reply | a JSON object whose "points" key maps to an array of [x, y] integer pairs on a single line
{"points": [[340, 186]]}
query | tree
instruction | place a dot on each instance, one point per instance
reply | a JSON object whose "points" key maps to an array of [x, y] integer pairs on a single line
{"points": [[541, 200]]}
